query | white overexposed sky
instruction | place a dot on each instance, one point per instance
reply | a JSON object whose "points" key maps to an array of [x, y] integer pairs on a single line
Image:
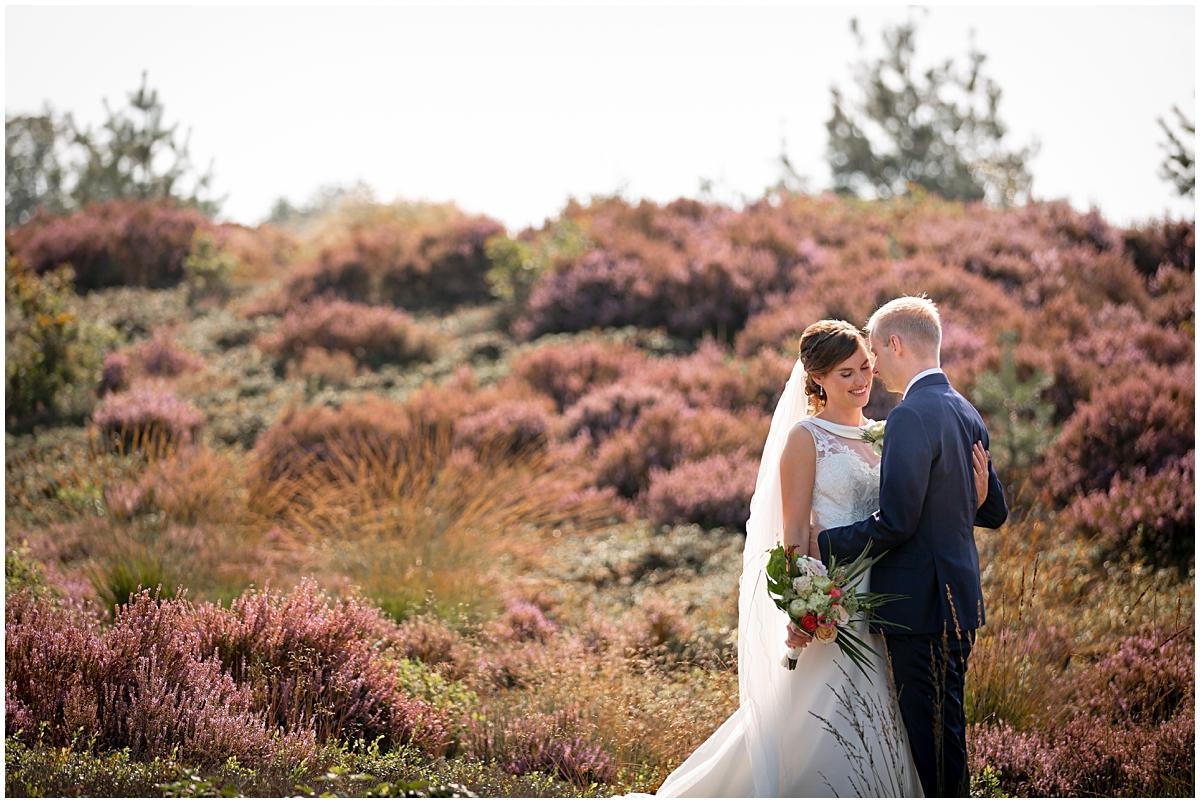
{"points": [[510, 110]]}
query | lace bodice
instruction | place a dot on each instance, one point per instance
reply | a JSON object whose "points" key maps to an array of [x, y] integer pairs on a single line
{"points": [[846, 488]]}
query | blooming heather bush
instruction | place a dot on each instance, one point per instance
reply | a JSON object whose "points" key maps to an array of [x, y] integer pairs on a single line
{"points": [[553, 744], [713, 492], [1125, 727], [710, 378], [1144, 679], [1145, 516], [159, 356], [614, 407], [1173, 297], [1158, 243], [116, 373], [566, 372], [513, 426], [430, 640], [688, 298], [124, 242], [313, 663], [146, 414], [411, 256], [375, 336], [778, 326], [1106, 346], [143, 684], [624, 461], [1086, 757], [1144, 420], [525, 621], [162, 356], [675, 266], [666, 436]]}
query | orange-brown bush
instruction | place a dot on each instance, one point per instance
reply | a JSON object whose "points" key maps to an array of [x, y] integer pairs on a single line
{"points": [[261, 253]]}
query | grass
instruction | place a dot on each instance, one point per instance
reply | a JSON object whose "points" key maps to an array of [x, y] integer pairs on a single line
{"points": [[423, 524]]}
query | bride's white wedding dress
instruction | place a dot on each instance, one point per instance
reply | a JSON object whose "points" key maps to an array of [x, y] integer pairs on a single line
{"points": [[823, 729]]}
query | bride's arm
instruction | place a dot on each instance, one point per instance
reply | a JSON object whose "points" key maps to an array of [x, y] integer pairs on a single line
{"points": [[797, 472]]}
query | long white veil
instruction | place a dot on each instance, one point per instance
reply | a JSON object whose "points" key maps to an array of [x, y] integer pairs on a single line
{"points": [[762, 682]]}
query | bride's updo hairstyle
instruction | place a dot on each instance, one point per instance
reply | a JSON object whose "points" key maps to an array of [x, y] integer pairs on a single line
{"points": [[823, 346]]}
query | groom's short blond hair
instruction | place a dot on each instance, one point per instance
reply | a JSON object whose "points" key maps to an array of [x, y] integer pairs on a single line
{"points": [[915, 319]]}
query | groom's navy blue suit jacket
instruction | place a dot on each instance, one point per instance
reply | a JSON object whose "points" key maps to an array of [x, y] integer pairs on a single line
{"points": [[927, 512]]}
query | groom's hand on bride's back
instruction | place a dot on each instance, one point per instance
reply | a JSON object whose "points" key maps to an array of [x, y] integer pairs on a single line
{"points": [[797, 638]]}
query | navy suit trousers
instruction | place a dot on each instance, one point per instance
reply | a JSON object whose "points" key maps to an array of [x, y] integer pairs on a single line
{"points": [[930, 673]]}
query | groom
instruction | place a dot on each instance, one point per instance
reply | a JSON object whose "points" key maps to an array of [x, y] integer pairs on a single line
{"points": [[927, 511]]}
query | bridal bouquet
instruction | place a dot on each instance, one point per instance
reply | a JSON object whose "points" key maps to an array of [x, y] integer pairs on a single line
{"points": [[823, 601]]}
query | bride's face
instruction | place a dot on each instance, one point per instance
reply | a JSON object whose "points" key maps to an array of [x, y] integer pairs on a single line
{"points": [[849, 383]]}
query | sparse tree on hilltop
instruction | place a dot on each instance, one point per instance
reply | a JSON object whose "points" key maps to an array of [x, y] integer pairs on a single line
{"points": [[1179, 164], [35, 169], [50, 162], [136, 155], [939, 130]]}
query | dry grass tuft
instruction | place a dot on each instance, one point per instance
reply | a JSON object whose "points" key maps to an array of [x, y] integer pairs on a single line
{"points": [[417, 520]]}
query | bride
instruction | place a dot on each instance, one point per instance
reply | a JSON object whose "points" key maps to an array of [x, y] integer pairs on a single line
{"points": [[824, 728]]}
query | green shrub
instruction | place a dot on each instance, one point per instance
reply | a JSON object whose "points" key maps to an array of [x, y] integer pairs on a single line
{"points": [[518, 263], [207, 269], [53, 356], [23, 571], [45, 771]]}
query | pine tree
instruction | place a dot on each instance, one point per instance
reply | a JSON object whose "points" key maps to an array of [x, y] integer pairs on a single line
{"points": [[939, 130], [1179, 164], [52, 163], [136, 155], [1019, 417]]}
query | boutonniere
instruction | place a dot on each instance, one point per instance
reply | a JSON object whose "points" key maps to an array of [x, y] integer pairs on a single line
{"points": [[873, 434]]}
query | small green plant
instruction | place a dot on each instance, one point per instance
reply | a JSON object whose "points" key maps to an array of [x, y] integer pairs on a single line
{"points": [[139, 568], [987, 784], [518, 264], [207, 270], [421, 681], [1019, 416]]}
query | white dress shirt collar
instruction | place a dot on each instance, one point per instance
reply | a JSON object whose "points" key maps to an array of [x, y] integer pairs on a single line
{"points": [[920, 376]]}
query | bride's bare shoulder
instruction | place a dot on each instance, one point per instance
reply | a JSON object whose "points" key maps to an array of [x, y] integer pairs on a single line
{"points": [[800, 439]]}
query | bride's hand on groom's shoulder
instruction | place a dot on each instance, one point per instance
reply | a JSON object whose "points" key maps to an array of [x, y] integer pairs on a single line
{"points": [[797, 638]]}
